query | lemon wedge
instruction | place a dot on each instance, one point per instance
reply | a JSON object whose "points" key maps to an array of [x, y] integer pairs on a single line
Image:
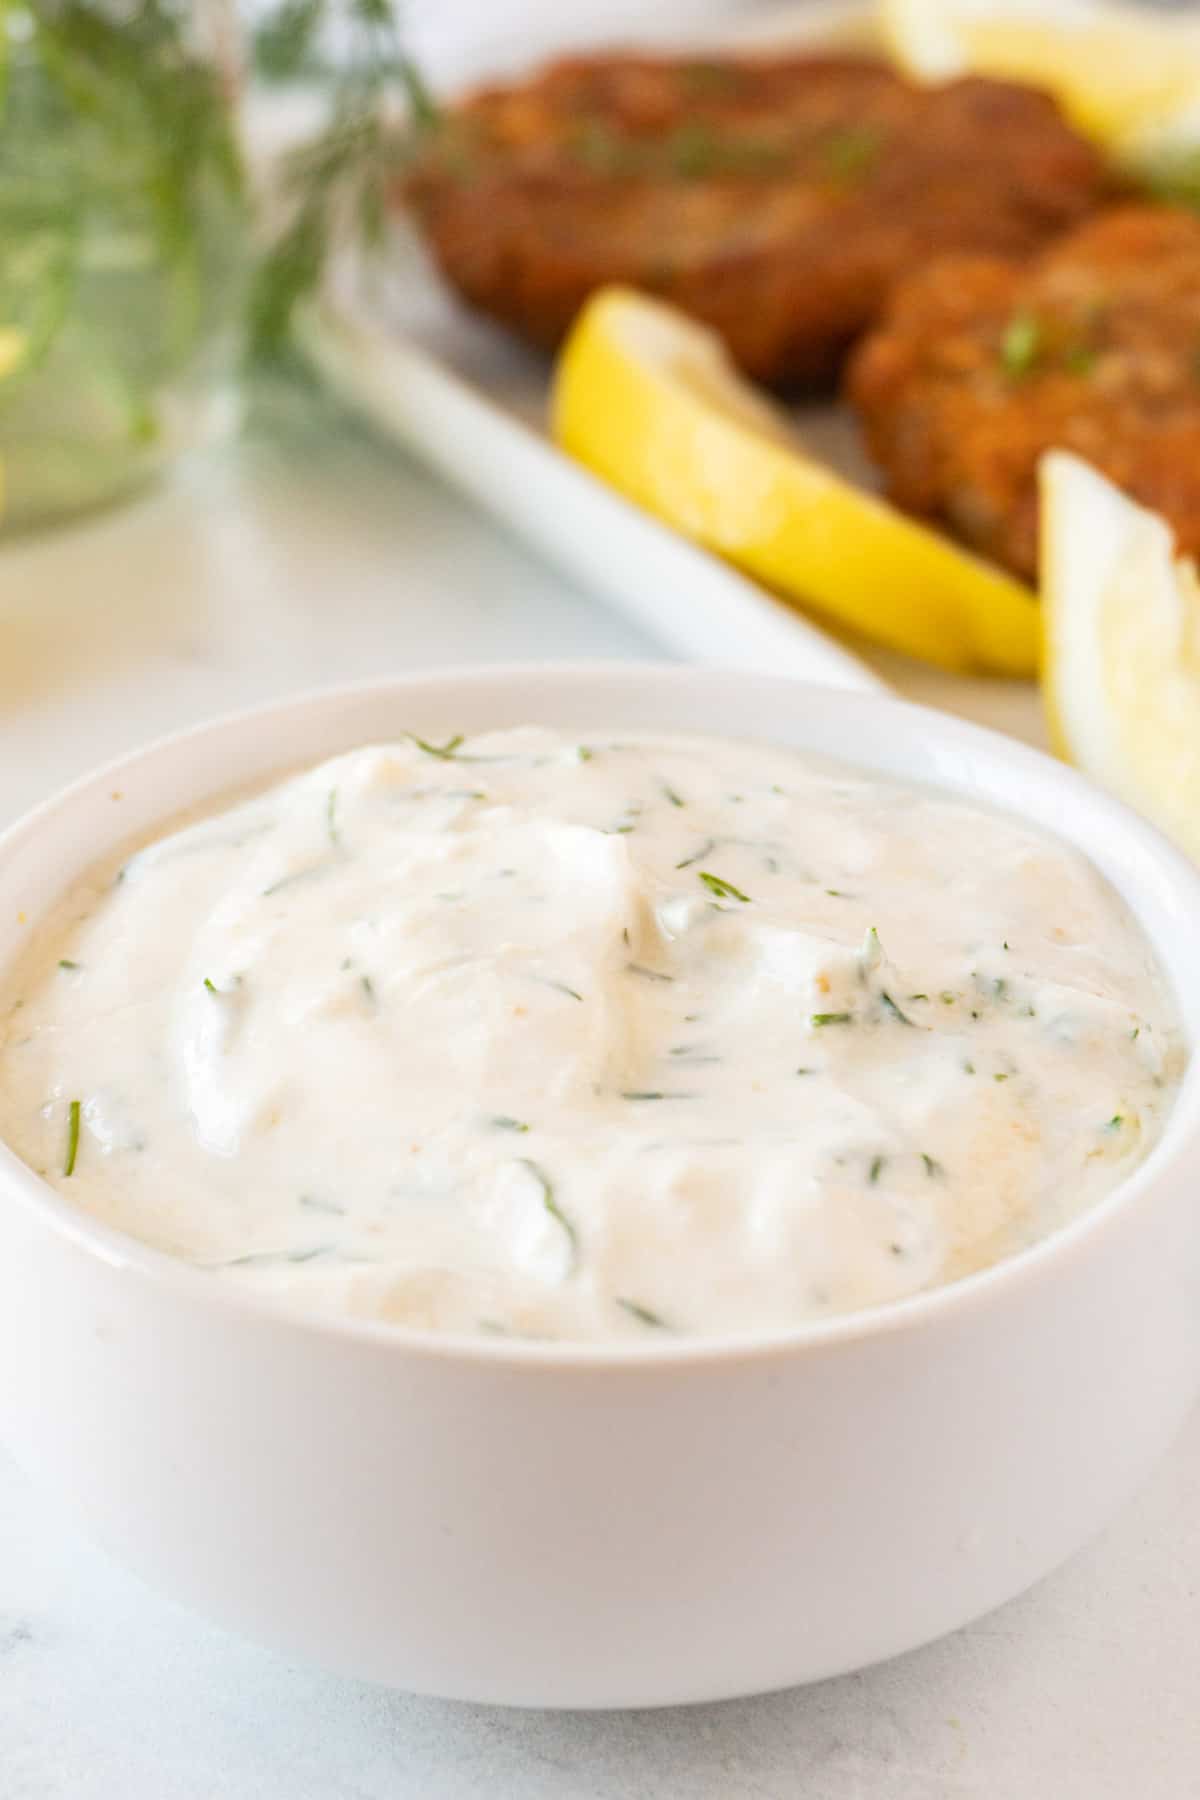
{"points": [[650, 401], [1122, 647], [1116, 69]]}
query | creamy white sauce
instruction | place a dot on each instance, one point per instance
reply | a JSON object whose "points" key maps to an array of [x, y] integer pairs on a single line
{"points": [[589, 1040]]}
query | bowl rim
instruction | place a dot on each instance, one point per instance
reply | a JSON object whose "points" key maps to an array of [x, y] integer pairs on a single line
{"points": [[1038, 1262]]}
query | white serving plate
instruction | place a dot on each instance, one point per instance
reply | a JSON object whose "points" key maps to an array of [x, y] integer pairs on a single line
{"points": [[570, 1525], [459, 393]]}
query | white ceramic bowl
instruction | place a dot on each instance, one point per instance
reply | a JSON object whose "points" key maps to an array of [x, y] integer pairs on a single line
{"points": [[581, 1526]]}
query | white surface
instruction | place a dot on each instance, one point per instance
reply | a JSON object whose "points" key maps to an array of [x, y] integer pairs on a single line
{"points": [[328, 561], [621, 1524]]}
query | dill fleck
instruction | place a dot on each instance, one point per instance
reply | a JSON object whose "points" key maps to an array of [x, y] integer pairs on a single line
{"points": [[878, 1164], [805, 1071], [932, 1165], [368, 988], [1114, 1124], [889, 1005], [724, 890], [647, 974], [674, 798], [836, 1018], [443, 752], [1021, 345], [554, 1209], [1135, 1034], [559, 987], [211, 986], [1000, 988], [313, 1204], [501, 1122], [947, 998], [583, 754], [913, 997], [1000, 1077], [642, 1314], [968, 1067], [697, 855], [73, 1112], [653, 1094], [64, 962]]}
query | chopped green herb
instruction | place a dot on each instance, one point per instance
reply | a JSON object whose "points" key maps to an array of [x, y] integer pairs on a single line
{"points": [[710, 77], [313, 1204], [932, 1165], [889, 1005], [502, 1122], [1000, 988], [836, 1018], [368, 988], [583, 754], [1000, 1077], [73, 1112], [913, 997], [559, 987], [556, 1213], [1021, 345], [698, 855], [693, 151], [1135, 1034], [211, 986], [968, 1067], [878, 1164], [724, 890], [851, 154], [653, 1094], [65, 963], [443, 752], [1114, 1124], [805, 1071], [642, 1314], [674, 798], [297, 875], [948, 998], [647, 974], [309, 1254]]}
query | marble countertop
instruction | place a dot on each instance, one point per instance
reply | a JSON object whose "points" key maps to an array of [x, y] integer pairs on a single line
{"points": [[311, 555]]}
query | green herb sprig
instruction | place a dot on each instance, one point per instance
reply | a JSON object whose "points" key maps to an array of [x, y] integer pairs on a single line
{"points": [[336, 184]]}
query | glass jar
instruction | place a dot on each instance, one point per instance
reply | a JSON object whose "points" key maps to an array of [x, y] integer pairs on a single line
{"points": [[123, 248]]}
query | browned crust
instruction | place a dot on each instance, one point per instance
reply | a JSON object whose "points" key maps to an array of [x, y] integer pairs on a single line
{"points": [[981, 365], [776, 199]]}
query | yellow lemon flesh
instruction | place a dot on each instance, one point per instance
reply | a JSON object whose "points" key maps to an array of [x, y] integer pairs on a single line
{"points": [[1116, 69], [1122, 648], [650, 401]]}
